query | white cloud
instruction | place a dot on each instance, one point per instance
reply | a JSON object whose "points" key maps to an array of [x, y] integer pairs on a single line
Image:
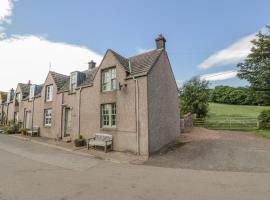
{"points": [[143, 50], [219, 76], [231, 55], [26, 58], [5, 10]]}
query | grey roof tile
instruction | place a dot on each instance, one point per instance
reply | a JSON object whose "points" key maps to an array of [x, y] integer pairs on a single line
{"points": [[59, 79], [25, 88], [139, 64]]}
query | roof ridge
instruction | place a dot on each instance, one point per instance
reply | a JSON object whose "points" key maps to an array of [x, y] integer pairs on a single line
{"points": [[58, 73], [147, 52]]}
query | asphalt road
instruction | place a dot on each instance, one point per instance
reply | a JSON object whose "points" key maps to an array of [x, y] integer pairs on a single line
{"points": [[31, 171]]}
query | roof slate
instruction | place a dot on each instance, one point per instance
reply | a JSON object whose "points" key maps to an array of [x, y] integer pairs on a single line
{"points": [[59, 79], [138, 65], [141, 64], [25, 88]]}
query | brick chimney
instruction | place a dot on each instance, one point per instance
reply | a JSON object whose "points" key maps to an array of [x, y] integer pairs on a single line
{"points": [[160, 42], [91, 65]]}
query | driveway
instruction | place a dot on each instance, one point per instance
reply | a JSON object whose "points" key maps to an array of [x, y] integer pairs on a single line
{"points": [[205, 149]]}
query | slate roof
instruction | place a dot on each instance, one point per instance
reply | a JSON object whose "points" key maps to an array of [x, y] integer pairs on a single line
{"points": [[89, 77], [139, 64], [25, 88], [135, 66], [59, 79]]}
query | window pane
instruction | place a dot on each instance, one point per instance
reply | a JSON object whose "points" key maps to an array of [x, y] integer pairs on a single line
{"points": [[108, 79], [113, 84]]}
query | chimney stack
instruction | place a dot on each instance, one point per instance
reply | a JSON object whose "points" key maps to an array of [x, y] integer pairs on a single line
{"points": [[160, 42], [91, 65], [29, 82]]}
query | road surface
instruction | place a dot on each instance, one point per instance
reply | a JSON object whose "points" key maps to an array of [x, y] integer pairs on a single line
{"points": [[31, 171]]}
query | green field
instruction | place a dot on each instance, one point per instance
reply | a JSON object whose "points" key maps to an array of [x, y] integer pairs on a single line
{"points": [[232, 117], [224, 110]]}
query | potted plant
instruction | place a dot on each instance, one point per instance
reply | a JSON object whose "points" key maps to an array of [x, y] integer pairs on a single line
{"points": [[79, 142], [23, 131]]}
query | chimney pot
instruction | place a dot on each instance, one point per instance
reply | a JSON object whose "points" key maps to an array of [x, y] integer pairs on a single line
{"points": [[160, 42], [91, 65]]}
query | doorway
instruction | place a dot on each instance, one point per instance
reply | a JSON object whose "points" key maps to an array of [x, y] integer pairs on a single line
{"points": [[27, 119], [68, 122]]}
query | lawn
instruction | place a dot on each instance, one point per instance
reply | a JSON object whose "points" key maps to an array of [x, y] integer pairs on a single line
{"points": [[224, 110], [263, 133]]}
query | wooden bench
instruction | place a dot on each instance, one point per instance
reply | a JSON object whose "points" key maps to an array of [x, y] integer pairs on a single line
{"points": [[101, 139], [34, 131]]}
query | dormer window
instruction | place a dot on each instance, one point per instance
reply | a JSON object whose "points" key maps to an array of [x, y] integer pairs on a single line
{"points": [[32, 91], [109, 80], [10, 96], [73, 81]]}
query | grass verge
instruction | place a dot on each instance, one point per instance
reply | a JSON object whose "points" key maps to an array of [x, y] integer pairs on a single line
{"points": [[263, 133]]}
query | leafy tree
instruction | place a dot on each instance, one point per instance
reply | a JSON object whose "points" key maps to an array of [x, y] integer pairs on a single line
{"points": [[194, 97], [256, 67], [239, 96]]}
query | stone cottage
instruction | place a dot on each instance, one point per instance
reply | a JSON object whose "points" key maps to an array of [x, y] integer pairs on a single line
{"points": [[135, 99]]}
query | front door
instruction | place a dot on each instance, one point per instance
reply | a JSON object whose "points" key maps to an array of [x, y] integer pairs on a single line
{"points": [[68, 122], [27, 120]]}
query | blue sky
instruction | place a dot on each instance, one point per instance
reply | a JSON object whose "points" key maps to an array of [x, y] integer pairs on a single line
{"points": [[203, 37]]}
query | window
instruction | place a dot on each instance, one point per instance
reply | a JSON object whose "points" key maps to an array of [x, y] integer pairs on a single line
{"points": [[108, 115], [9, 97], [109, 79], [32, 91], [49, 93], [73, 81], [48, 117]]}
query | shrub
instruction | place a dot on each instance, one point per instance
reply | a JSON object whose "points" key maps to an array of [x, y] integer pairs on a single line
{"points": [[80, 141], [12, 128], [264, 119]]}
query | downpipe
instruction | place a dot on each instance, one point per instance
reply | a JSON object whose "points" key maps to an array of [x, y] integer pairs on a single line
{"points": [[137, 115]]}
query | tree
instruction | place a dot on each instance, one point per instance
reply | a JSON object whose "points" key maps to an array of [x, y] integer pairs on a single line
{"points": [[194, 97], [256, 67]]}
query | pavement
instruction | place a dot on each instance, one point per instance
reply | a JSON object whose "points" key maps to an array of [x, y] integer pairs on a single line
{"points": [[31, 171], [217, 150], [113, 156]]}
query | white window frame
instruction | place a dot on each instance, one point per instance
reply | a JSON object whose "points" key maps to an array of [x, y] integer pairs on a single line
{"points": [[108, 115], [49, 93], [108, 79], [48, 117], [9, 97], [73, 81]]}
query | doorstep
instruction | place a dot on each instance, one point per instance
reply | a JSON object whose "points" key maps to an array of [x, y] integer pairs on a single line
{"points": [[113, 156]]}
